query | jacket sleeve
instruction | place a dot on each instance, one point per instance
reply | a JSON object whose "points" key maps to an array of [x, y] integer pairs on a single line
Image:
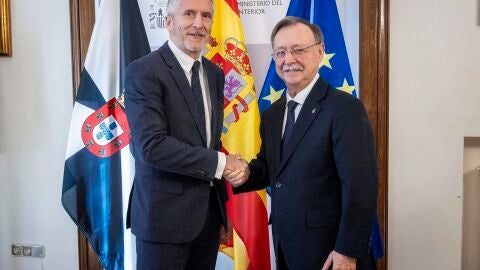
{"points": [[258, 178], [145, 98], [355, 158]]}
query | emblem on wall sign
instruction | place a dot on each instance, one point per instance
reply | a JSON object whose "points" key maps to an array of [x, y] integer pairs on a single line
{"points": [[157, 12]]}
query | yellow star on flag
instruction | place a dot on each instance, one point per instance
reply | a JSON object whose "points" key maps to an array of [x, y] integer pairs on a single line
{"points": [[274, 95], [347, 88], [326, 60]]}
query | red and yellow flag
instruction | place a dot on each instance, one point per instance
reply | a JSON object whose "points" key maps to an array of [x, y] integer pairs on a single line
{"points": [[249, 246]]}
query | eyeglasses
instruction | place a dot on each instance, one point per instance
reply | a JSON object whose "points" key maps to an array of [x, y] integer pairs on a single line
{"points": [[295, 52]]}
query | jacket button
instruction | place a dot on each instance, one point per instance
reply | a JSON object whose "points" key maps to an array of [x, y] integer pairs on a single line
{"points": [[278, 185], [200, 172]]}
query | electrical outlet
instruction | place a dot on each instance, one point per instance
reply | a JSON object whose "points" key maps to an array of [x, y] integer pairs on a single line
{"points": [[16, 250], [34, 251], [38, 251], [27, 251]]}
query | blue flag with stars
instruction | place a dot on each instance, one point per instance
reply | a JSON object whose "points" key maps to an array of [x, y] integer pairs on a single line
{"points": [[334, 69], [273, 87]]}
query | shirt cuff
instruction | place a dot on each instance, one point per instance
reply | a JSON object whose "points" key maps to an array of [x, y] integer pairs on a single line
{"points": [[222, 162]]}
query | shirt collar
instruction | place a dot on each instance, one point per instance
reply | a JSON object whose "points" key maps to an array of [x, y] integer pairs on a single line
{"points": [[186, 62], [302, 95]]}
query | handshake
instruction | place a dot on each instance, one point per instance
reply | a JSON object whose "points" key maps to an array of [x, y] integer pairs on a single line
{"points": [[236, 170]]}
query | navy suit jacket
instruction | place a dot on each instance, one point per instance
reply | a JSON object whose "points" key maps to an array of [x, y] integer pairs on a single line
{"points": [[324, 187], [173, 166]]}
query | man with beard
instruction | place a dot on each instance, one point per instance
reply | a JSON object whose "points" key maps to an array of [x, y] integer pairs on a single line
{"points": [[174, 106]]}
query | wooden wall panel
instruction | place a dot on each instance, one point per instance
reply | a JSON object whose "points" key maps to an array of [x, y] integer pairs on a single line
{"points": [[82, 19], [374, 94]]}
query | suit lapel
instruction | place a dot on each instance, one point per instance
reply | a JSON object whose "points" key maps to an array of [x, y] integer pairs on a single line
{"points": [[185, 89], [308, 113], [276, 125]]}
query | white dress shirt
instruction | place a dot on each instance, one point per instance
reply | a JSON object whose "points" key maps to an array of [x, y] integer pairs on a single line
{"points": [[186, 62], [300, 99]]}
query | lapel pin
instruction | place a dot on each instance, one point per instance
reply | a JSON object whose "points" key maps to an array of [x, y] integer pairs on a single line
{"points": [[314, 109]]}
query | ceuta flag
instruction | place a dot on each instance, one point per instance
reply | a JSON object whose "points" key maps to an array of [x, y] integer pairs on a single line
{"points": [[249, 246], [98, 164]]}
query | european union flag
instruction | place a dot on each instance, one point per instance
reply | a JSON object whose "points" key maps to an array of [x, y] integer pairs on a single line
{"points": [[334, 69], [273, 87], [94, 187]]}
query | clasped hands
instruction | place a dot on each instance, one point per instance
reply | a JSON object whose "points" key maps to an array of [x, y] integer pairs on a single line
{"points": [[236, 170]]}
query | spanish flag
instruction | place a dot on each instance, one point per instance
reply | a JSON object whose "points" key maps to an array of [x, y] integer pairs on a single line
{"points": [[249, 246]]}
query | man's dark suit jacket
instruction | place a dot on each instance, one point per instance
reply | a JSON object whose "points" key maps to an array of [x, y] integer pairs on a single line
{"points": [[173, 166], [324, 188]]}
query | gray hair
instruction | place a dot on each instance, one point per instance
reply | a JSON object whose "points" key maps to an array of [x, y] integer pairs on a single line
{"points": [[172, 5], [289, 21]]}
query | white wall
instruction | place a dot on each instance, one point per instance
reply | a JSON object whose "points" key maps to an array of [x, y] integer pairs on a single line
{"points": [[434, 103], [35, 109]]}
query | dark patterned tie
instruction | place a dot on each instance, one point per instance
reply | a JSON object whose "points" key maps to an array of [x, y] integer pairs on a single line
{"points": [[197, 92], [289, 124]]}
